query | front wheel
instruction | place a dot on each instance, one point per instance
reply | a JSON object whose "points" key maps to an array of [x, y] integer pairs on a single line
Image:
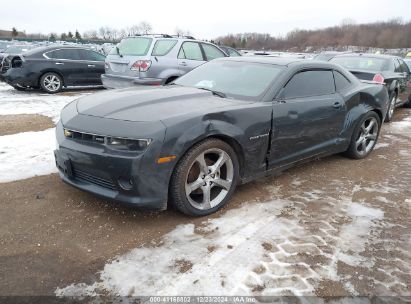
{"points": [[51, 83], [364, 136], [205, 178]]}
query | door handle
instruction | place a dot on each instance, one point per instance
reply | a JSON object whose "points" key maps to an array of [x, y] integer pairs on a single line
{"points": [[183, 63], [337, 105], [91, 65], [59, 63]]}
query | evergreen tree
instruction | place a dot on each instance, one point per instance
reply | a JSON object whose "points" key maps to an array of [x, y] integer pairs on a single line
{"points": [[77, 35], [14, 32]]}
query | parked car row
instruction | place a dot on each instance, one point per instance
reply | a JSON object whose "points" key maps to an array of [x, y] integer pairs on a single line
{"points": [[146, 60], [159, 59]]}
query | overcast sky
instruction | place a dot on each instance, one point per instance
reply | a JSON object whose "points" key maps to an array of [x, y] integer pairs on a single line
{"points": [[204, 19]]}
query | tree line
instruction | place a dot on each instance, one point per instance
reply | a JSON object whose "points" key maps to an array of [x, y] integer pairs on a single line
{"points": [[387, 34], [105, 33]]}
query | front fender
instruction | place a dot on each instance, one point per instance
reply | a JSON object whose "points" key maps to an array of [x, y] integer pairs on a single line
{"points": [[246, 129]]}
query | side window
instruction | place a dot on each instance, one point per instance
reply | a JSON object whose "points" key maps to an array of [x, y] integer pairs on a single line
{"points": [[69, 54], [162, 47], [309, 83], [404, 67], [91, 56], [212, 52], [191, 51], [233, 53], [340, 81], [397, 67]]}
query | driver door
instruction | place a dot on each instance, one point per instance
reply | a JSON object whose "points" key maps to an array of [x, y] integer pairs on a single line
{"points": [[308, 116]]}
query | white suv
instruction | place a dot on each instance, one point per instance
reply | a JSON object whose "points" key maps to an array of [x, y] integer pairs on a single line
{"points": [[155, 59]]}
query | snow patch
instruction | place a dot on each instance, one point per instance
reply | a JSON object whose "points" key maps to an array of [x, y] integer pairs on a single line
{"points": [[13, 102], [27, 154]]}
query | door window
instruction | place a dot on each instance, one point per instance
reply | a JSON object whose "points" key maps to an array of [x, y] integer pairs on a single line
{"points": [[309, 83], [68, 54], [212, 52], [191, 51]]}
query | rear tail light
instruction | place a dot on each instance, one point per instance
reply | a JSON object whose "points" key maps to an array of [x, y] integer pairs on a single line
{"points": [[378, 78], [141, 65]]}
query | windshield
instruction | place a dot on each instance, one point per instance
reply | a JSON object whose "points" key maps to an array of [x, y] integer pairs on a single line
{"points": [[241, 80], [362, 63], [135, 46]]}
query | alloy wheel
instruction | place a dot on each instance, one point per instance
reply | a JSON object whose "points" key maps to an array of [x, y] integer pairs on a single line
{"points": [[52, 83], [209, 179], [367, 136], [392, 106]]}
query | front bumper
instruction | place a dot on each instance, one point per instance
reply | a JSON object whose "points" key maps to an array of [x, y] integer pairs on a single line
{"points": [[118, 82], [130, 179]]}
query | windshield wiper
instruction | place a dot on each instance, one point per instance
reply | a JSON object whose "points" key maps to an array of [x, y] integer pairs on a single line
{"points": [[216, 93]]}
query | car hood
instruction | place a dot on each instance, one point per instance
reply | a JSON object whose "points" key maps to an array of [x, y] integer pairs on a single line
{"points": [[136, 104]]}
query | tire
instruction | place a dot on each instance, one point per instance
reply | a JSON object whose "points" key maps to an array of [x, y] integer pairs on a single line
{"points": [[364, 136], [51, 83], [219, 181], [391, 107]]}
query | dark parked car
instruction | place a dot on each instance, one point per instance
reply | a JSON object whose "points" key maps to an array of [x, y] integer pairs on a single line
{"points": [[391, 70], [227, 122], [230, 51], [52, 68]]}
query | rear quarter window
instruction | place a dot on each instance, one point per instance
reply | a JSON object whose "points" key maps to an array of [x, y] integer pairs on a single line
{"points": [[341, 82], [162, 47]]}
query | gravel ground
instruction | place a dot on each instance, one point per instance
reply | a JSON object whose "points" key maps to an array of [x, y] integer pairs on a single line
{"points": [[333, 227]]}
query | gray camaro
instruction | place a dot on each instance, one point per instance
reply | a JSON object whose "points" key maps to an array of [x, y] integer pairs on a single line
{"points": [[227, 122]]}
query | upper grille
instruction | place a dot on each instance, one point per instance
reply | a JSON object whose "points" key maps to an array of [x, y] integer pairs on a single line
{"points": [[85, 136]]}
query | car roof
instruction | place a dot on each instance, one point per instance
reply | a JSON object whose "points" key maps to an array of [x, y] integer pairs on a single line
{"points": [[367, 55], [283, 61]]}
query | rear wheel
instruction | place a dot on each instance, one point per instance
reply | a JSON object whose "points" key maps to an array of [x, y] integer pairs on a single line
{"points": [[51, 83], [205, 178], [365, 136], [391, 107]]}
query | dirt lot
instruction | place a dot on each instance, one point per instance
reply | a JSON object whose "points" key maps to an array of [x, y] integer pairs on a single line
{"points": [[12, 124], [53, 235]]}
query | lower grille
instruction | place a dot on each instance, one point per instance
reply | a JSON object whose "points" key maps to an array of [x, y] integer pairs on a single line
{"points": [[85, 176]]}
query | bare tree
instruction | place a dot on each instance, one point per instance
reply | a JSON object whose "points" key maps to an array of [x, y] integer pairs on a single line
{"points": [[145, 27], [180, 32]]}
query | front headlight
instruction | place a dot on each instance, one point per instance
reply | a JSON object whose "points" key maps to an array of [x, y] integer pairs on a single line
{"points": [[126, 144], [116, 143]]}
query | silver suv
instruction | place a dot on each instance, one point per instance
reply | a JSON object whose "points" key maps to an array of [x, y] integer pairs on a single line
{"points": [[155, 59]]}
